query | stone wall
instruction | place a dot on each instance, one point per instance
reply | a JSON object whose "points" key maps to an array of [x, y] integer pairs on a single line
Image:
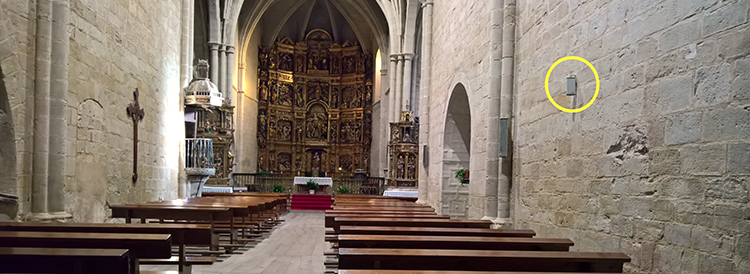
{"points": [[460, 56], [658, 166], [114, 48]]}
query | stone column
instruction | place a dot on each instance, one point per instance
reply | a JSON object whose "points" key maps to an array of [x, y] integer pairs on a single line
{"points": [[40, 160], [399, 88], [496, 34], [506, 110], [230, 73], [221, 82], [186, 68], [214, 63], [384, 126], [392, 88], [58, 103], [406, 88], [424, 101]]}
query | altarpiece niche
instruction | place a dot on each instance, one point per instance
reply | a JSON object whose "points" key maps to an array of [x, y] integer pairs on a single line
{"points": [[315, 107]]}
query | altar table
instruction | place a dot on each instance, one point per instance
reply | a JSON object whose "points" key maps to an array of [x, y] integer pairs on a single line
{"points": [[321, 181]]}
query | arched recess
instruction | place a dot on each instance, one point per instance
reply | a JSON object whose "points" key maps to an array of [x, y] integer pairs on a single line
{"points": [[456, 153]]}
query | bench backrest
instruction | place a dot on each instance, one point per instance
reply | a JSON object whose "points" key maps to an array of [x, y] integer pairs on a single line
{"points": [[436, 231], [452, 242], [480, 260]]}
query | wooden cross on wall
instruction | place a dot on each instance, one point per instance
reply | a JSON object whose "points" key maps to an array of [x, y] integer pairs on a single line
{"points": [[136, 113]]}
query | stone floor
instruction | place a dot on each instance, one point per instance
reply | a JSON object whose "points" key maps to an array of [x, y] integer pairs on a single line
{"points": [[295, 246]]}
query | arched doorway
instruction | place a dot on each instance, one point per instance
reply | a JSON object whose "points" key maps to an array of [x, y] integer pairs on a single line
{"points": [[456, 153], [8, 186]]}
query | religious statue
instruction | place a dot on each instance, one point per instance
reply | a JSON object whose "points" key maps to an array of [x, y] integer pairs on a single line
{"points": [[310, 64], [285, 131], [262, 91], [411, 170], [284, 96], [299, 132], [349, 64], [298, 161], [300, 100], [300, 63], [286, 62], [335, 65], [400, 170], [273, 94], [272, 131], [316, 160]]}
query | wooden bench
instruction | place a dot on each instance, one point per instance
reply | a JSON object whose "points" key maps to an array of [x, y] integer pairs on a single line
{"points": [[453, 242], [139, 245], [436, 231], [480, 260], [330, 217], [341, 221], [64, 260], [384, 208], [182, 234]]}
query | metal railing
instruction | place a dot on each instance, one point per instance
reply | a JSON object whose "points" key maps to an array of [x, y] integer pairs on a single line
{"points": [[263, 182]]}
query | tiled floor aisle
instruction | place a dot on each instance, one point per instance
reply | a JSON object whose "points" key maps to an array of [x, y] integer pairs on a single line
{"points": [[296, 246]]}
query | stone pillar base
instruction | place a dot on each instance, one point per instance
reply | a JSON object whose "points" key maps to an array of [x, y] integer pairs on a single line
{"points": [[61, 216], [499, 223], [40, 217]]}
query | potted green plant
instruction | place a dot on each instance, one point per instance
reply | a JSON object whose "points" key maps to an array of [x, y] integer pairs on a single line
{"points": [[278, 189], [343, 190], [462, 175], [312, 186]]}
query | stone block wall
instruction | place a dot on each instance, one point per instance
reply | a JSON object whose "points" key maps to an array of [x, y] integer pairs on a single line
{"points": [[460, 55], [658, 167], [115, 46]]}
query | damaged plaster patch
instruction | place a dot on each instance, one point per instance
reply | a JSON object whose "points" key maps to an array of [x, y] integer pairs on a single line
{"points": [[631, 143]]}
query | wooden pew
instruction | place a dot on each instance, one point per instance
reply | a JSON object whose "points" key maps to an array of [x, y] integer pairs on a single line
{"points": [[139, 245], [452, 242], [330, 222], [64, 260], [342, 221], [385, 208], [284, 197], [436, 231], [480, 260], [143, 212], [182, 234]]}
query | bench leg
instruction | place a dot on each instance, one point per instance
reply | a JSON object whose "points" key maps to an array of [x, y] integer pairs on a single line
{"points": [[187, 270]]}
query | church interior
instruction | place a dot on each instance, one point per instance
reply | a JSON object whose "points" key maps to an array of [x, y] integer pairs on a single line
{"points": [[374, 136]]}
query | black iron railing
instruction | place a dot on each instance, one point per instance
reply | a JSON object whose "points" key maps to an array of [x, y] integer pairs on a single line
{"points": [[264, 182]]}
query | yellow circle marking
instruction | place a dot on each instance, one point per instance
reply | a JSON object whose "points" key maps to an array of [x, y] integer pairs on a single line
{"points": [[546, 84]]}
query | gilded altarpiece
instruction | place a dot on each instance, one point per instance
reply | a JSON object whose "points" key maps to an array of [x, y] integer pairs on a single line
{"points": [[315, 107]]}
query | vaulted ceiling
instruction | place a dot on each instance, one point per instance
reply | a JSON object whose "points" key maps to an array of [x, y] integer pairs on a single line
{"points": [[345, 20]]}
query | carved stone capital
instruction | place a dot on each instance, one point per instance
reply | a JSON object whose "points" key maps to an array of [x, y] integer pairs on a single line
{"points": [[426, 3], [230, 49], [214, 45], [408, 56]]}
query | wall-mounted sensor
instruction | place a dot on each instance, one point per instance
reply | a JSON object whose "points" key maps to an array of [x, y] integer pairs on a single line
{"points": [[571, 84]]}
